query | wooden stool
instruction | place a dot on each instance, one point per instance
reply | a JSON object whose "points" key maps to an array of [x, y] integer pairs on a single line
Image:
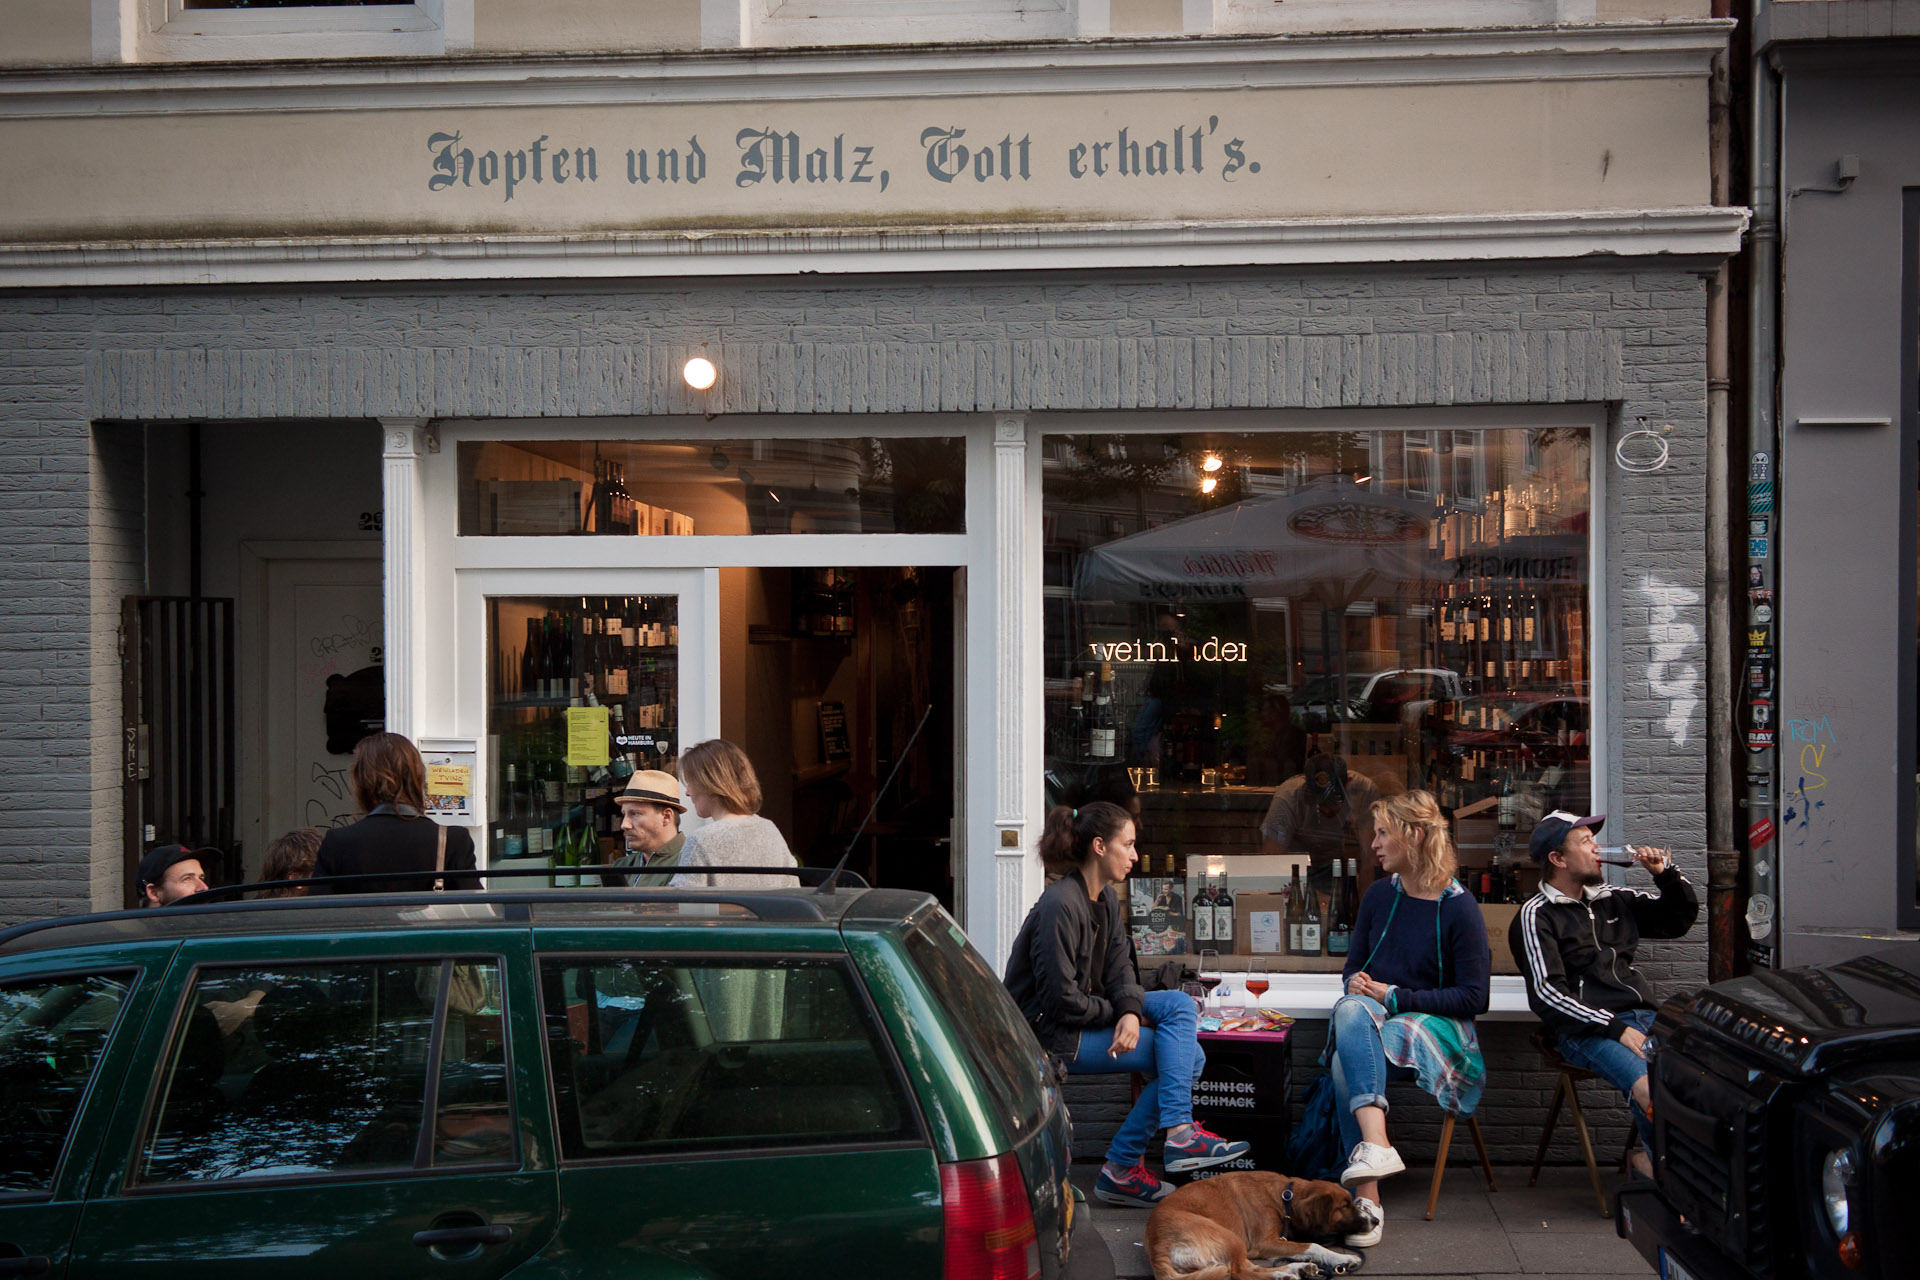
{"points": [[1570, 1076], [1440, 1160]]}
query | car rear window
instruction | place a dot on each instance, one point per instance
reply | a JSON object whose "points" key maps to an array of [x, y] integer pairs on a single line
{"points": [[52, 1034], [991, 1032], [654, 1055], [323, 1070]]}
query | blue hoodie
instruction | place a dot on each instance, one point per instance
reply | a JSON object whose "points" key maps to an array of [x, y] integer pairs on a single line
{"points": [[1433, 954]]}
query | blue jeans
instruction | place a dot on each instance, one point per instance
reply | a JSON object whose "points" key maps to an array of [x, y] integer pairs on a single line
{"points": [[1170, 1058], [1613, 1062], [1359, 1065]]}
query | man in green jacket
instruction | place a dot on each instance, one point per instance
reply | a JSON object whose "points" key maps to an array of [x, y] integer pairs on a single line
{"points": [[650, 812]]}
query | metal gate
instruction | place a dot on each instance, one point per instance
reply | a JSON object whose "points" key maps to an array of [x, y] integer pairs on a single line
{"points": [[177, 739]]}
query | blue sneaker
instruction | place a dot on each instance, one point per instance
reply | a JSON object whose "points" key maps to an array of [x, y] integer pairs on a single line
{"points": [[1200, 1151], [1137, 1186]]}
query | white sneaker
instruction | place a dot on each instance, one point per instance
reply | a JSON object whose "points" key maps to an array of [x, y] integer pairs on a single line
{"points": [[1369, 1162], [1376, 1224]]}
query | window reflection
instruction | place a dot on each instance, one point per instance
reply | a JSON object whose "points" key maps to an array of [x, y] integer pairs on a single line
{"points": [[52, 1034], [1251, 636], [666, 488], [322, 1069]]}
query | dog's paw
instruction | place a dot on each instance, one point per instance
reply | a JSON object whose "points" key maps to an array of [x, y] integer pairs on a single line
{"points": [[1297, 1271], [1334, 1262]]}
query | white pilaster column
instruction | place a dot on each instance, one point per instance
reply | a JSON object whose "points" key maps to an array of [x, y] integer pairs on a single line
{"points": [[406, 439], [1018, 695]]}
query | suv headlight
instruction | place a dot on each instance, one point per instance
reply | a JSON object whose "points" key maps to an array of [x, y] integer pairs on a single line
{"points": [[1836, 1180]]}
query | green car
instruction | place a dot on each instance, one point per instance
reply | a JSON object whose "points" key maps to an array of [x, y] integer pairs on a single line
{"points": [[564, 1083]]}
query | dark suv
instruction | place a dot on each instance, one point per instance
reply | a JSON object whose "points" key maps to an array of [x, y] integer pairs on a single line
{"points": [[1786, 1110], [551, 1083]]}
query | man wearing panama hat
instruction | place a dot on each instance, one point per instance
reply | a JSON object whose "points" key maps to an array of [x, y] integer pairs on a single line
{"points": [[650, 812]]}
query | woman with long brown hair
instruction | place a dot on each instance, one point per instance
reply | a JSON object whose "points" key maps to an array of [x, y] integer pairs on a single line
{"points": [[1071, 973], [389, 781]]}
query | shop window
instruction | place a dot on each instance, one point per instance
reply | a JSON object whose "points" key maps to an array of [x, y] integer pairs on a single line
{"points": [[1228, 614], [584, 692], [661, 488]]}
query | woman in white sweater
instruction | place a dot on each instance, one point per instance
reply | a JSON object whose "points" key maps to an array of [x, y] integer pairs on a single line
{"points": [[720, 782]]}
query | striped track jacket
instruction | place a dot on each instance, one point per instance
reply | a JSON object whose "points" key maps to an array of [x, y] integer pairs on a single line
{"points": [[1577, 953]]}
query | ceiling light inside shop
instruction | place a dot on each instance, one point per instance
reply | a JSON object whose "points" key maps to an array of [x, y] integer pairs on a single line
{"points": [[700, 373], [1209, 484], [1212, 463]]}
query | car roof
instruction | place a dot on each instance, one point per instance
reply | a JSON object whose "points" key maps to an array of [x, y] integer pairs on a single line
{"points": [[362, 913]]}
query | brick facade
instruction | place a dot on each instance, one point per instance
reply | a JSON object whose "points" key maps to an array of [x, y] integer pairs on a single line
{"points": [[1631, 339]]}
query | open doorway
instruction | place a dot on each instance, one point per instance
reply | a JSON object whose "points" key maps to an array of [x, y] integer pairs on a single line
{"points": [[828, 673]]}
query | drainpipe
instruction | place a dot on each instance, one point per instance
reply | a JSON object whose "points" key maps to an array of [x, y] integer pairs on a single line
{"points": [[1723, 859], [1761, 909]]}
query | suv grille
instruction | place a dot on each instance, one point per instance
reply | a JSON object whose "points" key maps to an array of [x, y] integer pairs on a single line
{"points": [[1712, 1139]]}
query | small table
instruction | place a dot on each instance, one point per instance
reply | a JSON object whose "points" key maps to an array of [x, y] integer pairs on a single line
{"points": [[1243, 1094]]}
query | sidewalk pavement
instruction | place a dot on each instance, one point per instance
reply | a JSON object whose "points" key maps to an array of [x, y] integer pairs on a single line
{"points": [[1554, 1229]]}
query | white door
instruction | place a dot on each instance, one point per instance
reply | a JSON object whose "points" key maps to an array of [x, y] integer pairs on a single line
{"points": [[320, 638], [573, 678]]}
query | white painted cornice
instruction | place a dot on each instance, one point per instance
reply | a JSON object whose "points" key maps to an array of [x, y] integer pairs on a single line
{"points": [[1699, 232], [1628, 51]]}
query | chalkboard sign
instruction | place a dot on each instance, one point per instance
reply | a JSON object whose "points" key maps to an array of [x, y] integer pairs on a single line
{"points": [[833, 732]]}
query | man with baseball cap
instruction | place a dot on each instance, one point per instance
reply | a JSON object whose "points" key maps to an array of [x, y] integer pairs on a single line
{"points": [[650, 812], [1575, 941], [170, 872], [1325, 813]]}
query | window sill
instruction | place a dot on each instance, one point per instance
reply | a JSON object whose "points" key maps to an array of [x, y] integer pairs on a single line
{"points": [[1313, 995]]}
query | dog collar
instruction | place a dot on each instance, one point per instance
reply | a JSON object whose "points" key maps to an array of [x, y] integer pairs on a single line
{"points": [[1286, 1213]]}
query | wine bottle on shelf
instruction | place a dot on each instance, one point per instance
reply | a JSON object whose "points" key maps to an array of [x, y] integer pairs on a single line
{"points": [[550, 657], [1313, 928], [1105, 722], [1340, 925], [1296, 918], [530, 673], [1203, 913], [1222, 915]]}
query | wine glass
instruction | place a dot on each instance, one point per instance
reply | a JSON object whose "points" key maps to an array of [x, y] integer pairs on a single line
{"points": [[1257, 987]]}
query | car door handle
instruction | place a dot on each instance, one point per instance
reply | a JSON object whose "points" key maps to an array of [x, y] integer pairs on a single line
{"points": [[484, 1234], [34, 1265]]}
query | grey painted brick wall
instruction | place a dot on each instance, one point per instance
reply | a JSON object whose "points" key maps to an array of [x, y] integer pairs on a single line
{"points": [[1629, 338]]}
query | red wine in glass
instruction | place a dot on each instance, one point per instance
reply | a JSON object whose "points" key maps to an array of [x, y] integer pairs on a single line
{"points": [[1209, 981], [1256, 987]]}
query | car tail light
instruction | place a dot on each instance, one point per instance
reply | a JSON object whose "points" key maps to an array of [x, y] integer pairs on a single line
{"points": [[988, 1221]]}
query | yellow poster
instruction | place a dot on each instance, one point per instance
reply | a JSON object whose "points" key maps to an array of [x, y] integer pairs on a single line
{"points": [[587, 736], [448, 779]]}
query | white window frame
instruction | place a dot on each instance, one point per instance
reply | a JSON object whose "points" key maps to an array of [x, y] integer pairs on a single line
{"points": [[168, 31]]}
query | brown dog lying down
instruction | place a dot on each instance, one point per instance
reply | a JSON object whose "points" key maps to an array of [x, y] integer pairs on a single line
{"points": [[1209, 1230]]}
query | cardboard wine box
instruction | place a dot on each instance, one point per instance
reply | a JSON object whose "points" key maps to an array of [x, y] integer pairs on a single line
{"points": [[1245, 907]]}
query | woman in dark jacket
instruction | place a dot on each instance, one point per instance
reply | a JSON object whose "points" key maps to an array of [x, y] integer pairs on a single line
{"points": [[1072, 974], [389, 781]]}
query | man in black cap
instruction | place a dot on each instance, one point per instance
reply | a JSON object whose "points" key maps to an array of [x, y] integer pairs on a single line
{"points": [[1575, 941], [170, 872], [1324, 813]]}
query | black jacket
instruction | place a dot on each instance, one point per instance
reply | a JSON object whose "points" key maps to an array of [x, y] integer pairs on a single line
{"points": [[388, 842], [1577, 954], [1072, 965]]}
